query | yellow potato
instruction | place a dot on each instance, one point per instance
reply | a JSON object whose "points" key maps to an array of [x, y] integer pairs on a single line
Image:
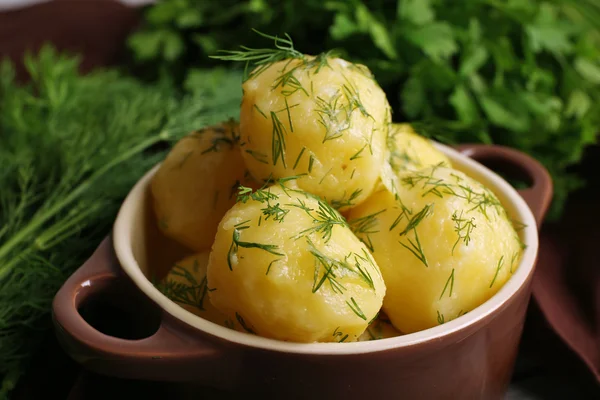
{"points": [[197, 183], [411, 151], [287, 266], [381, 328], [186, 285], [320, 117], [444, 245]]}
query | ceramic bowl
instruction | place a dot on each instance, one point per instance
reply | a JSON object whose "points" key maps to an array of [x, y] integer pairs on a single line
{"points": [[471, 357]]}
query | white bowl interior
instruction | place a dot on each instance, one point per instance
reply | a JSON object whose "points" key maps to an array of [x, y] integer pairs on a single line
{"points": [[143, 251]]}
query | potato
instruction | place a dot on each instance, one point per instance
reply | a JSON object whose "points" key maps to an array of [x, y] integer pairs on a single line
{"points": [[410, 151], [197, 183], [320, 117], [444, 244], [186, 285], [381, 328], [287, 266]]}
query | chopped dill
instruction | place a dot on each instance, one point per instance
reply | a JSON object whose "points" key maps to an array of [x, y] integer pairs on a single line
{"points": [[325, 175], [463, 228], [415, 247], [299, 157], [325, 219], [450, 281], [311, 161], [191, 292], [260, 111], [498, 268], [243, 323], [346, 202], [262, 58], [274, 211], [512, 260], [258, 156], [440, 318], [363, 227], [288, 80], [358, 153], [329, 265], [270, 265], [278, 140], [236, 243], [354, 307], [364, 273]]}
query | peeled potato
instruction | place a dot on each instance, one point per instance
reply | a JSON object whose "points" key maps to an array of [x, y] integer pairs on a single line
{"points": [[197, 183], [444, 244], [379, 329], [320, 117], [411, 151], [186, 285], [287, 266]]}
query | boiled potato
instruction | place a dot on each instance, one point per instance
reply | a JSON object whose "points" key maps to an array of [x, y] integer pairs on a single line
{"points": [[320, 117], [444, 244], [186, 285], [411, 151], [408, 151], [287, 266], [381, 328], [197, 183]]}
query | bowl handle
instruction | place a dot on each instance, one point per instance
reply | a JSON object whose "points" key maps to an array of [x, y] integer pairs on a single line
{"points": [[539, 195], [172, 353]]}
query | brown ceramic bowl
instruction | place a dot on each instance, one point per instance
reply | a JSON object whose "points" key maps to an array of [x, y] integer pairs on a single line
{"points": [[470, 357]]}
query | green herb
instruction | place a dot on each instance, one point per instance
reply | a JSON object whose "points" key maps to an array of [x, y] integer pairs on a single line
{"points": [[278, 140], [236, 243], [71, 148], [243, 324], [299, 157], [260, 111], [355, 308], [346, 201], [440, 318], [451, 282], [463, 228], [191, 292], [529, 82], [415, 247], [324, 219], [329, 265], [262, 58], [363, 227], [500, 263]]}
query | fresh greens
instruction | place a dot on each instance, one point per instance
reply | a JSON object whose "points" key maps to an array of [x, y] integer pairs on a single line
{"points": [[522, 73], [71, 147]]}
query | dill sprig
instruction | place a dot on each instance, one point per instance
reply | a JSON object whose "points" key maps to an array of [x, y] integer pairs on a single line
{"points": [[415, 246], [329, 266], [498, 268], [236, 243], [190, 292], [450, 282], [463, 228], [324, 219], [363, 227], [71, 148], [262, 59]]}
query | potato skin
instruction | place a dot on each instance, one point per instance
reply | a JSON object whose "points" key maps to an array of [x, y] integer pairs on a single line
{"points": [[319, 116], [444, 245], [197, 183], [186, 285], [288, 267]]}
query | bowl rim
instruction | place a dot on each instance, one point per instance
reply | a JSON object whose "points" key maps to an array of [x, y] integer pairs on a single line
{"points": [[122, 233]]}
